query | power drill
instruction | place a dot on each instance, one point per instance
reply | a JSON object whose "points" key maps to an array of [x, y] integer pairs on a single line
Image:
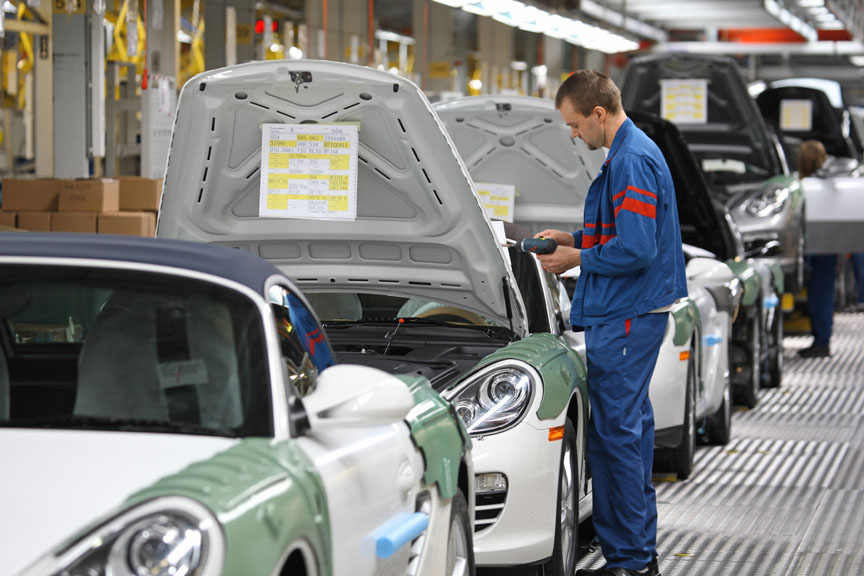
{"points": [[540, 245]]}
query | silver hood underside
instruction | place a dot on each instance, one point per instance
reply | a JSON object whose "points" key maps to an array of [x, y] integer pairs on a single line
{"points": [[523, 141], [420, 229]]}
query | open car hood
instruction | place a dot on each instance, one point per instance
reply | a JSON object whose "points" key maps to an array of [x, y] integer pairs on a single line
{"points": [[522, 141], [828, 124], [420, 229], [731, 128]]}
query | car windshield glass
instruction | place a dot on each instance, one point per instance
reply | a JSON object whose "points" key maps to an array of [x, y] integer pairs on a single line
{"points": [[723, 169], [359, 307], [108, 349]]}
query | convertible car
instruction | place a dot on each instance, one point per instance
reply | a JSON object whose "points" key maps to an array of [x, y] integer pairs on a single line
{"points": [[742, 160], [172, 408], [522, 142], [344, 178], [834, 217]]}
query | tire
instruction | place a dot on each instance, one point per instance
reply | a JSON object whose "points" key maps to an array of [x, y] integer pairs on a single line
{"points": [[750, 391], [683, 456], [773, 376], [460, 540], [563, 560], [719, 426]]}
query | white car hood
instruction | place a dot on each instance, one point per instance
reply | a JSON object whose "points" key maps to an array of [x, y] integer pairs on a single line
{"points": [[523, 141], [56, 482], [420, 228]]}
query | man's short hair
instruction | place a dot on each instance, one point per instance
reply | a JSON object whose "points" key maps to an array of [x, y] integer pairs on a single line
{"points": [[585, 89]]}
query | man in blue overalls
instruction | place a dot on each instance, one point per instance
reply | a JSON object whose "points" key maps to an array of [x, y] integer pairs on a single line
{"points": [[632, 271]]}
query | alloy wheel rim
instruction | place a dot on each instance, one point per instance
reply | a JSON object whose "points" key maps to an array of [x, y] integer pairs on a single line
{"points": [[567, 512], [457, 550]]}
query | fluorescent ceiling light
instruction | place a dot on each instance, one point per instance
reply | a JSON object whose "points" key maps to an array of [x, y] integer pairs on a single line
{"points": [[810, 3], [856, 60], [526, 17], [817, 10], [826, 17], [834, 25], [787, 18]]}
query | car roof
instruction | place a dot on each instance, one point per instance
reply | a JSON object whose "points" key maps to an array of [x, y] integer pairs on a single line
{"points": [[237, 265]]}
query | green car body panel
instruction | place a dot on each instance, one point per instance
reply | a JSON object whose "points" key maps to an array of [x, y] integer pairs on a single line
{"points": [[560, 367], [685, 315], [749, 281], [259, 529], [777, 274], [439, 433]]}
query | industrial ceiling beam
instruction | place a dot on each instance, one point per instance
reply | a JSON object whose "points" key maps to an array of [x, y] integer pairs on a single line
{"points": [[815, 48]]}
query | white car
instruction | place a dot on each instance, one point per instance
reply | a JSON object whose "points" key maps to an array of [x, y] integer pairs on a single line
{"points": [[522, 142], [403, 266], [151, 423]]}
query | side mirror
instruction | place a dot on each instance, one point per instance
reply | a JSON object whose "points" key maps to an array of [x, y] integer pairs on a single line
{"points": [[354, 395]]}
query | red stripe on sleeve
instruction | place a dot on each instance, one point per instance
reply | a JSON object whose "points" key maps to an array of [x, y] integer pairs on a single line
{"points": [[640, 191], [606, 238], [638, 207], [615, 197], [587, 242]]}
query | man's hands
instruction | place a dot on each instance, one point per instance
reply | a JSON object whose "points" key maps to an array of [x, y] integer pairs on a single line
{"points": [[565, 257]]}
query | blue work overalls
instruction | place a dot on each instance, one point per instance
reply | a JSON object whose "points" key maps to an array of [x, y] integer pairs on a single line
{"points": [[632, 264]]}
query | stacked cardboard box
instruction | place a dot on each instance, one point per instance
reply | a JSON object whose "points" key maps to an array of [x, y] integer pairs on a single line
{"points": [[28, 204], [125, 206]]}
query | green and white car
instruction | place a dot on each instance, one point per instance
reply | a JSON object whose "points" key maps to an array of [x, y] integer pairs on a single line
{"points": [[170, 408], [403, 267]]}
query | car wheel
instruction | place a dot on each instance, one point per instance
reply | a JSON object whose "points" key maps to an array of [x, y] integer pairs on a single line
{"points": [[683, 455], [774, 359], [460, 545], [719, 426], [563, 561], [749, 393]]}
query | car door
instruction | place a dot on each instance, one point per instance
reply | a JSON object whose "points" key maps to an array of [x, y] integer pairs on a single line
{"points": [[357, 438]]}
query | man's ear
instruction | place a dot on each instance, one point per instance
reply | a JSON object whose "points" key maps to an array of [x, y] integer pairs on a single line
{"points": [[600, 112]]}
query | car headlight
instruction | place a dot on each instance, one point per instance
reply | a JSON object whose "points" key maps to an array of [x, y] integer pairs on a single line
{"points": [[495, 398], [767, 202], [171, 536]]}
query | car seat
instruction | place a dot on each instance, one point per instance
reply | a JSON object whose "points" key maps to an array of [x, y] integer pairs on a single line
{"points": [[163, 358]]}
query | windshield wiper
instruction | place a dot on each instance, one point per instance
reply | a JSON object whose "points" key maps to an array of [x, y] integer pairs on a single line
{"points": [[488, 329], [124, 424]]}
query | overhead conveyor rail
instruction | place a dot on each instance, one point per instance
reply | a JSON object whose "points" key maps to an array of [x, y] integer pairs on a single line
{"points": [[786, 496]]}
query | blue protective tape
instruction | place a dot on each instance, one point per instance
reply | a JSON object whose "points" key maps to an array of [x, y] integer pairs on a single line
{"points": [[397, 532], [771, 301], [712, 339]]}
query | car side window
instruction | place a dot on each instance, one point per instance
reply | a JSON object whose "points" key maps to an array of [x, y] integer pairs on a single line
{"points": [[525, 271], [559, 297], [304, 346]]}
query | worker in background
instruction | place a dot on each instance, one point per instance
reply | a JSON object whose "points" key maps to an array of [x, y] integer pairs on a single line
{"points": [[632, 271], [822, 267]]}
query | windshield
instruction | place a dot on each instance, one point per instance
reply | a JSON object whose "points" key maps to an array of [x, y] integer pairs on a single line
{"points": [[722, 168], [125, 350], [367, 308]]}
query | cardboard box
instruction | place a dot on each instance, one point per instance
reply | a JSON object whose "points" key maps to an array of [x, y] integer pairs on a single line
{"points": [[74, 222], [140, 194], [30, 194], [34, 221], [129, 223], [8, 219], [97, 195]]}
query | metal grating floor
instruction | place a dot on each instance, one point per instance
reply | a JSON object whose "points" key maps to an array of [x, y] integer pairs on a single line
{"points": [[786, 496]]}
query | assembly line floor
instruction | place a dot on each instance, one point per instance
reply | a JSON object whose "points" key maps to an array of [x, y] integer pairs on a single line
{"points": [[785, 497]]}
